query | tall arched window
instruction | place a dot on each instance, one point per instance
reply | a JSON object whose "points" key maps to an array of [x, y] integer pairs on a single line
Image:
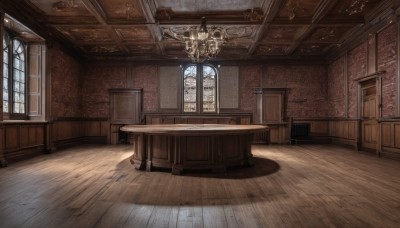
{"points": [[18, 77], [5, 72], [14, 78], [200, 88]]}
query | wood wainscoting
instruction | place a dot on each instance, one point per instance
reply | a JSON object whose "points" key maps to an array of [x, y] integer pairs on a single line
{"points": [[235, 118], [71, 131], [389, 140], [20, 140], [318, 130], [345, 132]]}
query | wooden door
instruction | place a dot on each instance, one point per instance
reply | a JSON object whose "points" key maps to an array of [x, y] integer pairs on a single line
{"points": [[273, 114], [272, 108], [369, 115]]}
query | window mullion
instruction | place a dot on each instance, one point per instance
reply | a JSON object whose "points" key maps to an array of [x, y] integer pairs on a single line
{"points": [[200, 88]]}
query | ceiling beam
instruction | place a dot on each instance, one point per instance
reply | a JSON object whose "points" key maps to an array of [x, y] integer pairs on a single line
{"points": [[323, 8], [271, 11]]}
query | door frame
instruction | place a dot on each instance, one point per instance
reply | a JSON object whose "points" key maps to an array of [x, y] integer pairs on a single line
{"points": [[362, 122]]}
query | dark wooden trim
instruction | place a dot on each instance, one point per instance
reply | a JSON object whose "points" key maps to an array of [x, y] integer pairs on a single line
{"points": [[370, 76], [80, 119], [66, 143]]}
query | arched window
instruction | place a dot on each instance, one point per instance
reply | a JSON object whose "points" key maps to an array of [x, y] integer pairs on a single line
{"points": [[5, 72], [14, 78], [200, 88], [18, 77]]}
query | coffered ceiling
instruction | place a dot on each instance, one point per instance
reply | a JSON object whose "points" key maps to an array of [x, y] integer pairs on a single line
{"points": [[255, 29]]}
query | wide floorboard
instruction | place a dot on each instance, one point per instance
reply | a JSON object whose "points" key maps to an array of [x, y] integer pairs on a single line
{"points": [[289, 186]]}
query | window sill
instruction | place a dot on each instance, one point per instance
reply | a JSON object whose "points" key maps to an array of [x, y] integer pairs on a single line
{"points": [[23, 122]]}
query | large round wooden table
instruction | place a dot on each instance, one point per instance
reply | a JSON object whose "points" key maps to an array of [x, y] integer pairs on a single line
{"points": [[192, 146]]}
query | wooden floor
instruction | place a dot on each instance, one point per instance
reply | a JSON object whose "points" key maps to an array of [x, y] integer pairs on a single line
{"points": [[289, 186]]}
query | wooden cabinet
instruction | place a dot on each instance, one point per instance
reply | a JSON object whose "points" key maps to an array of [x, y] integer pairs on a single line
{"points": [[125, 108]]}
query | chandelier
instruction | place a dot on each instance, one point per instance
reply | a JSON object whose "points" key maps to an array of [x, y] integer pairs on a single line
{"points": [[202, 43]]}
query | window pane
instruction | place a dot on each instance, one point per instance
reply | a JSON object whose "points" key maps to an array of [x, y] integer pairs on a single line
{"points": [[17, 64], [22, 77], [16, 87], [5, 71], [5, 57], [209, 89], [16, 107], [5, 95], [5, 106], [5, 84], [189, 89], [16, 97], [16, 74]]}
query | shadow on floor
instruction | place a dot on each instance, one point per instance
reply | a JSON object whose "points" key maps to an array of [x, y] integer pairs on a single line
{"points": [[261, 167]]}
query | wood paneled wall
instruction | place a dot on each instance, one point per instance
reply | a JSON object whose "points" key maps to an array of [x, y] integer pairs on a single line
{"points": [[339, 131], [389, 140], [24, 139], [244, 118], [344, 131], [21, 140], [73, 131]]}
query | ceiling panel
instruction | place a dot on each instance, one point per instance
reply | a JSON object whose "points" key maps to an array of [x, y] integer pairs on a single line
{"points": [[298, 9], [355, 8], [154, 28], [209, 5], [287, 33], [134, 33], [312, 49], [87, 34], [102, 49], [61, 7], [122, 10], [273, 49], [328, 34], [143, 48]]}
